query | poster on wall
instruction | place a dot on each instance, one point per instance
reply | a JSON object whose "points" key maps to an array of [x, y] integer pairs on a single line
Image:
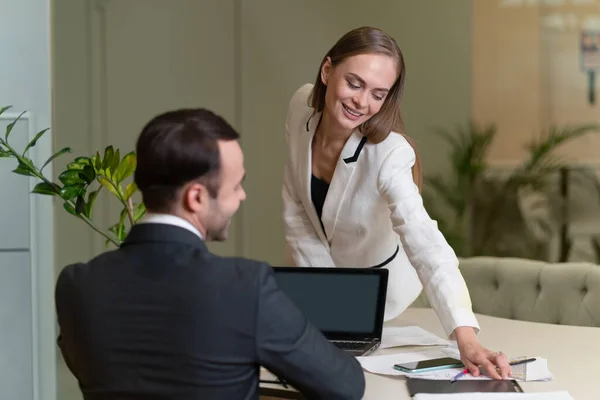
{"points": [[590, 59]]}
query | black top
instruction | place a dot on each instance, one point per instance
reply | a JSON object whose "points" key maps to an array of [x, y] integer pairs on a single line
{"points": [[163, 318], [318, 191]]}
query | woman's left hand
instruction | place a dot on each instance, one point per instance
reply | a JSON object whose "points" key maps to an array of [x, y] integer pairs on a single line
{"points": [[475, 356]]}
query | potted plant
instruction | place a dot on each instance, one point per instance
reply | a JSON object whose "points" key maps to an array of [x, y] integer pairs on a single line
{"points": [[80, 183], [481, 211]]}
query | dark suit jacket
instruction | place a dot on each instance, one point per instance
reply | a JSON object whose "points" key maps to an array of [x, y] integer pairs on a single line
{"points": [[163, 318]]}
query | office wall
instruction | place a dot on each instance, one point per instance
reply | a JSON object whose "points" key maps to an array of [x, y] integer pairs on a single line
{"points": [[27, 368], [119, 63], [527, 74]]}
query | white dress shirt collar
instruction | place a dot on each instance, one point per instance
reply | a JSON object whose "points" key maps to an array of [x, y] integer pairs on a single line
{"points": [[168, 219]]}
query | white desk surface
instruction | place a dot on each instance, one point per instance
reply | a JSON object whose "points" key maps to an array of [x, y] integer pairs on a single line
{"points": [[573, 353]]}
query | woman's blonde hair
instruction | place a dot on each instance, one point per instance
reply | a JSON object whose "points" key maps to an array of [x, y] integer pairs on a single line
{"points": [[368, 40]]}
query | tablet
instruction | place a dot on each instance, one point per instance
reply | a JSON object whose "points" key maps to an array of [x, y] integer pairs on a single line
{"points": [[462, 386]]}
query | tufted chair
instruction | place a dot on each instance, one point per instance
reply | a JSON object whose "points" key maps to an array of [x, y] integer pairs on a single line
{"points": [[528, 290]]}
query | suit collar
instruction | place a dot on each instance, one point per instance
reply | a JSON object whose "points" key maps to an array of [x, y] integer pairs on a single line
{"points": [[169, 219], [338, 186], [162, 233]]}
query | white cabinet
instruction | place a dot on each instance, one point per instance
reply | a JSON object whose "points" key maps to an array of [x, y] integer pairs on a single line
{"points": [[16, 367]]}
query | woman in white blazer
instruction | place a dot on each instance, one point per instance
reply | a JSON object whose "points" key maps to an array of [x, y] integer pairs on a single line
{"points": [[351, 188]]}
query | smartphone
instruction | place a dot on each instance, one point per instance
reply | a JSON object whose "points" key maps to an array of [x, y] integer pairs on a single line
{"points": [[429, 365]]}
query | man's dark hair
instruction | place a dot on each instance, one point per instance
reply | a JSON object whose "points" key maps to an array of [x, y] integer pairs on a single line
{"points": [[178, 147]]}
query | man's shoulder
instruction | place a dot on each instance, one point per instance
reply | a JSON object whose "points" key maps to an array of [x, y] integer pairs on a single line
{"points": [[240, 266]]}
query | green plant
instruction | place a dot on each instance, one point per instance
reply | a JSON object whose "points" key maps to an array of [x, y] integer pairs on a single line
{"points": [[82, 181], [481, 212]]}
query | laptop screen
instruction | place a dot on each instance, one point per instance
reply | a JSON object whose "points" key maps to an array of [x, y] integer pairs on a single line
{"points": [[344, 303]]}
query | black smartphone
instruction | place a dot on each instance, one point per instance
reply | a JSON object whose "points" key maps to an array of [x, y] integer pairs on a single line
{"points": [[429, 365]]}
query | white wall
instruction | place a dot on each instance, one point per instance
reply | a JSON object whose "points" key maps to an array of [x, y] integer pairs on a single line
{"points": [[27, 366]]}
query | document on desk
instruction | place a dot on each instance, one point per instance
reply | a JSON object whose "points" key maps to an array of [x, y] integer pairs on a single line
{"points": [[534, 371], [396, 336], [495, 396]]}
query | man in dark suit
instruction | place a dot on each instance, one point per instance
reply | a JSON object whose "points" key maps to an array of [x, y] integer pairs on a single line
{"points": [[162, 317]]}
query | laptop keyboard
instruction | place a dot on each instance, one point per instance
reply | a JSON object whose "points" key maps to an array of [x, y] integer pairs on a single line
{"points": [[347, 345]]}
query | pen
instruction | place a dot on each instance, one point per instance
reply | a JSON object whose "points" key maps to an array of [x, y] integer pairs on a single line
{"points": [[466, 370]]}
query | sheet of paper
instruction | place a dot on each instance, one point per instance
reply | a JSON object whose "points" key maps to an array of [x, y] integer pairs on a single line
{"points": [[495, 396], [409, 336]]}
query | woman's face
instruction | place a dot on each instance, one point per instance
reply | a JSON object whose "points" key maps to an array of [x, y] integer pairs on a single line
{"points": [[357, 88]]}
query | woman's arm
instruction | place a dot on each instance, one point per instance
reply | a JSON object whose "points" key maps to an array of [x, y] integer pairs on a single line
{"points": [[429, 253], [435, 263]]}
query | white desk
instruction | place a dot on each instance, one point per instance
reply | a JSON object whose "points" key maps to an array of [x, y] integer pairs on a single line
{"points": [[573, 353]]}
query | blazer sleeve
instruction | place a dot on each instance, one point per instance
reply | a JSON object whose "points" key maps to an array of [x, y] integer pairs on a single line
{"points": [[428, 251], [64, 301], [292, 348], [307, 248]]}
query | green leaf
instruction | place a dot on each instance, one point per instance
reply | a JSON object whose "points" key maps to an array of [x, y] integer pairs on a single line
{"points": [[115, 162], [126, 168], [83, 161], [46, 188], [108, 184], [130, 190], [139, 212], [5, 154], [79, 204], [70, 192], [71, 178], [23, 170], [108, 157], [97, 162], [69, 208], [73, 166], [10, 126], [87, 211], [55, 155], [34, 140], [4, 109], [80, 163], [87, 174]]}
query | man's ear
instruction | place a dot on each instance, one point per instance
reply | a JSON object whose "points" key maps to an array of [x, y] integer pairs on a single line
{"points": [[195, 197], [326, 70]]}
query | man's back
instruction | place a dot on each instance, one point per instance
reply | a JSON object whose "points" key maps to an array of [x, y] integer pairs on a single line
{"points": [[163, 318]]}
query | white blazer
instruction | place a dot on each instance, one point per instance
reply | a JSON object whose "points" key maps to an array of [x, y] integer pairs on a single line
{"points": [[373, 214]]}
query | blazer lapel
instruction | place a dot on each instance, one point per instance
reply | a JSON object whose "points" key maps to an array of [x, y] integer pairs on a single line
{"points": [[305, 161], [342, 177]]}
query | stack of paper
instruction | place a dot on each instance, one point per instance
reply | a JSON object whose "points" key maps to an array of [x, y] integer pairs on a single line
{"points": [[410, 336], [495, 396]]}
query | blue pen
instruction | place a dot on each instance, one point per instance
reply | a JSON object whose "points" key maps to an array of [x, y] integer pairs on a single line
{"points": [[461, 373]]}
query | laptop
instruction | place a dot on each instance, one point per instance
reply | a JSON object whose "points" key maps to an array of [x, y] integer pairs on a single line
{"points": [[346, 304]]}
